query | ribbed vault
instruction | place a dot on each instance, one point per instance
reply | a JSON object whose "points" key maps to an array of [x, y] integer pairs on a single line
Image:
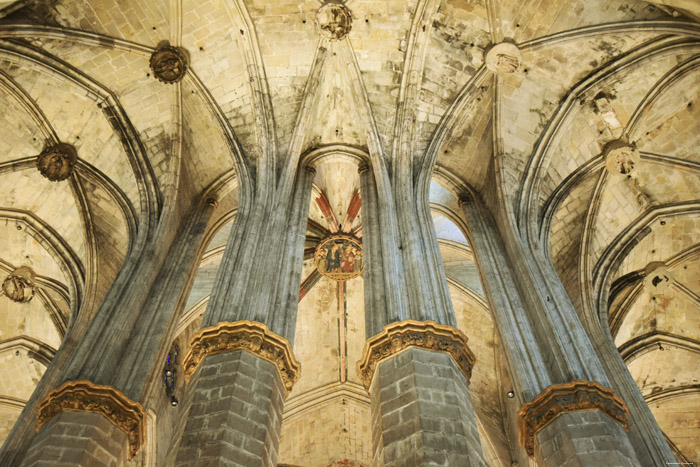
{"points": [[408, 90]]}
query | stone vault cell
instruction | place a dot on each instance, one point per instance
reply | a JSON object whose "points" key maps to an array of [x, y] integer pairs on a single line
{"points": [[525, 173]]}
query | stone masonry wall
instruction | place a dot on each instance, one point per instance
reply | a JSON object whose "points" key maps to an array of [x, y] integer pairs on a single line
{"points": [[331, 431], [78, 439], [427, 416], [236, 413], [584, 438]]}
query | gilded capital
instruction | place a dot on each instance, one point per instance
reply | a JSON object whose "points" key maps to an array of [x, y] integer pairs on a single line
{"points": [[246, 335], [85, 396], [576, 396], [426, 335]]}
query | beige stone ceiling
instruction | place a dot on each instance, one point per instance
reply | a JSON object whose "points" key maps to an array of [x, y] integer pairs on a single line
{"points": [[592, 71]]}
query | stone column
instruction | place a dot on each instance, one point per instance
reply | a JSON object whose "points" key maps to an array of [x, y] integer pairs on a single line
{"points": [[98, 410], [417, 374], [526, 361], [78, 438], [241, 373], [86, 424], [416, 371], [240, 366], [570, 414]]}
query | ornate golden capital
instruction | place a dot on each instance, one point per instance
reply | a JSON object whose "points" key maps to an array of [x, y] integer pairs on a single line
{"points": [[576, 396], [251, 336], [427, 335], [84, 396]]}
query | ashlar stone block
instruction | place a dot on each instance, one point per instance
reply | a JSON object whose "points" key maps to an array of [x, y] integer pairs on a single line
{"points": [[78, 439], [422, 412], [589, 438], [236, 413]]}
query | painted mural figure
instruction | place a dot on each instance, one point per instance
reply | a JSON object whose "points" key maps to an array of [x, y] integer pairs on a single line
{"points": [[339, 258]]}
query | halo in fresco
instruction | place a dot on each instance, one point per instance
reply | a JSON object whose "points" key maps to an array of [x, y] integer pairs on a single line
{"points": [[339, 257]]}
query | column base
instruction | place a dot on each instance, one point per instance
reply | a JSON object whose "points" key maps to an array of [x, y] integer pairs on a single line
{"points": [[588, 438], [83, 423], [422, 412], [580, 423], [78, 439], [236, 412]]}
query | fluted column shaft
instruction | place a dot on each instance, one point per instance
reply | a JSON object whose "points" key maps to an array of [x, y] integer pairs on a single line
{"points": [[236, 395], [551, 359], [130, 330], [422, 412]]}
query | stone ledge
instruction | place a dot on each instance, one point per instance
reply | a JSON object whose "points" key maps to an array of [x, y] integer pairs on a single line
{"points": [[576, 396], [246, 335], [426, 335], [85, 396]]}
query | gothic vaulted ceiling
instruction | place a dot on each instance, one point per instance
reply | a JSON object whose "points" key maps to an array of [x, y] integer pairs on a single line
{"points": [[586, 126]]}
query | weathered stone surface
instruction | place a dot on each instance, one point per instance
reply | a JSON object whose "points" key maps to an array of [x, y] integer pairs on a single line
{"points": [[504, 58], [584, 439], [334, 20], [409, 84], [422, 412], [18, 286], [236, 412], [621, 157], [78, 439]]}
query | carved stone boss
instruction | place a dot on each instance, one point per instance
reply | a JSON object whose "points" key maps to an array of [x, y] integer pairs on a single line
{"points": [[246, 335], [19, 285], [334, 20], [504, 58], [57, 162], [426, 335], [558, 399], [169, 64], [84, 396]]}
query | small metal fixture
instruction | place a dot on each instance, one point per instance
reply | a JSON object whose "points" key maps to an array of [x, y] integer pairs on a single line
{"points": [[169, 373], [510, 394]]}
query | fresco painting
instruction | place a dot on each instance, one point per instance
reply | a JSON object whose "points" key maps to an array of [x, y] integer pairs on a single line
{"points": [[339, 257]]}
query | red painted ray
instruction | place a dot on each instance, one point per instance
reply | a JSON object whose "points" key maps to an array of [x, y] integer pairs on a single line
{"points": [[309, 283], [325, 206], [353, 209]]}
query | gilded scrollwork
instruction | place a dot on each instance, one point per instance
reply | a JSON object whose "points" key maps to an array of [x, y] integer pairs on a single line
{"points": [[85, 396], [426, 335], [250, 336], [558, 399]]}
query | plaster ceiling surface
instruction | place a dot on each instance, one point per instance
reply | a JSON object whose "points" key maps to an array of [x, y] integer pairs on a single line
{"points": [[409, 81]]}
